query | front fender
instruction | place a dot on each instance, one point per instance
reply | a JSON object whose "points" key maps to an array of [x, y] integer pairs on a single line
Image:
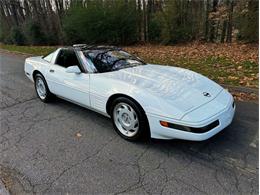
{"points": [[32, 64], [101, 89]]}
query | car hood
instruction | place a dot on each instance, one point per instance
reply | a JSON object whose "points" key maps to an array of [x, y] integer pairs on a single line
{"points": [[174, 88]]}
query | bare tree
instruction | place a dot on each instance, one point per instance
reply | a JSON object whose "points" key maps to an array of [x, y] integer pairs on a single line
{"points": [[230, 22]]}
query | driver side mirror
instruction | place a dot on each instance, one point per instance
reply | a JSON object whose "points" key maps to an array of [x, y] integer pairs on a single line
{"points": [[73, 69]]}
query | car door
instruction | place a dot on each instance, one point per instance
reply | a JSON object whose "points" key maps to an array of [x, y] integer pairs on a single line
{"points": [[71, 86]]}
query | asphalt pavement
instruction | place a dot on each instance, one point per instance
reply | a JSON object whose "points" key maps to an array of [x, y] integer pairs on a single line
{"points": [[39, 152]]}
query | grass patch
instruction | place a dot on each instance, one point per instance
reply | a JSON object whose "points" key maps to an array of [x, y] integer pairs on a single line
{"points": [[223, 70], [34, 50]]}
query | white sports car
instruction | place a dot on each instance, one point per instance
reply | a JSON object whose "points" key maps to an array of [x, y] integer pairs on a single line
{"points": [[141, 99]]}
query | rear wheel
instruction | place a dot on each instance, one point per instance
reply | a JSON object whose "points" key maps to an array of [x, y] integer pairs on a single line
{"points": [[129, 119], [41, 88]]}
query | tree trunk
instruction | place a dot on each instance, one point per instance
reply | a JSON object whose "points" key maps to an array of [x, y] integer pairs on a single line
{"points": [[223, 33], [207, 21], [230, 23], [145, 29], [140, 25], [213, 29]]}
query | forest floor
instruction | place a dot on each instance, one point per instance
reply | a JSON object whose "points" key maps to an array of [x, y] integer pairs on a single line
{"points": [[233, 64]]}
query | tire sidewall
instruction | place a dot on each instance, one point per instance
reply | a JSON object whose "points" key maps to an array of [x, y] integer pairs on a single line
{"points": [[143, 131], [48, 94]]}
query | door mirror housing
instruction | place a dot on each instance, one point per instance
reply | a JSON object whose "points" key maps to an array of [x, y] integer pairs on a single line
{"points": [[73, 69]]}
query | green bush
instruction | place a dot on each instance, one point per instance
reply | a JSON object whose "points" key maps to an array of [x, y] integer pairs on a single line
{"points": [[101, 22], [247, 22], [16, 36], [127, 22], [173, 25], [35, 35], [154, 29], [1, 30]]}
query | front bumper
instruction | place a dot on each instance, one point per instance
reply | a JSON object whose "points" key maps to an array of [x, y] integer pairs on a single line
{"points": [[158, 131]]}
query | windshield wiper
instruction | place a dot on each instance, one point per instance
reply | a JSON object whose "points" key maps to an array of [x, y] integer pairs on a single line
{"points": [[123, 67]]}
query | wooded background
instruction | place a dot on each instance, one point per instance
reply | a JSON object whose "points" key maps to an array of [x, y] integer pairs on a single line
{"points": [[123, 22]]}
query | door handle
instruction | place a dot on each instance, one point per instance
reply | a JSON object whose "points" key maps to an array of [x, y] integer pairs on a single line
{"points": [[51, 70]]}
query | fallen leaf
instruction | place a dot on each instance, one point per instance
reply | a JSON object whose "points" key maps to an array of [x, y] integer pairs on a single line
{"points": [[232, 77], [78, 134]]}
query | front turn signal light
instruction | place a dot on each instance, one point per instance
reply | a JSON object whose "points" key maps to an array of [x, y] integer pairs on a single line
{"points": [[164, 123]]}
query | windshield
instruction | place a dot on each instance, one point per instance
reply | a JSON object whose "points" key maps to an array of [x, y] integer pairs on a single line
{"points": [[111, 60]]}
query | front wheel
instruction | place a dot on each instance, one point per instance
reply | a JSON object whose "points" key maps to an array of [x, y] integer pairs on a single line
{"points": [[129, 119], [42, 89]]}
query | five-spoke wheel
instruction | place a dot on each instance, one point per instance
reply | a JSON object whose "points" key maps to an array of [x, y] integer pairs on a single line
{"points": [[41, 88], [126, 119], [129, 119]]}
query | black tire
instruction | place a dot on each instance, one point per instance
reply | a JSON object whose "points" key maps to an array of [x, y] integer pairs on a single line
{"points": [[143, 132], [49, 96]]}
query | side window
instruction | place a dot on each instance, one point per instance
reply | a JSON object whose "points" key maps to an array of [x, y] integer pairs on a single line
{"points": [[66, 58], [60, 58]]}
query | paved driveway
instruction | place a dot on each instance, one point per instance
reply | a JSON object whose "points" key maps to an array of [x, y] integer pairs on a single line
{"points": [[39, 151]]}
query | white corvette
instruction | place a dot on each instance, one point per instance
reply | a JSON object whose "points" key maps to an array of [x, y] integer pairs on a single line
{"points": [[141, 99]]}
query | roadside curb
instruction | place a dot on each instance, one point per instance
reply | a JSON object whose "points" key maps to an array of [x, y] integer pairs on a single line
{"points": [[3, 190], [241, 89]]}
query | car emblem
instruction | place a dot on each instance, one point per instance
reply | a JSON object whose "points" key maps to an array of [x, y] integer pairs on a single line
{"points": [[206, 94]]}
